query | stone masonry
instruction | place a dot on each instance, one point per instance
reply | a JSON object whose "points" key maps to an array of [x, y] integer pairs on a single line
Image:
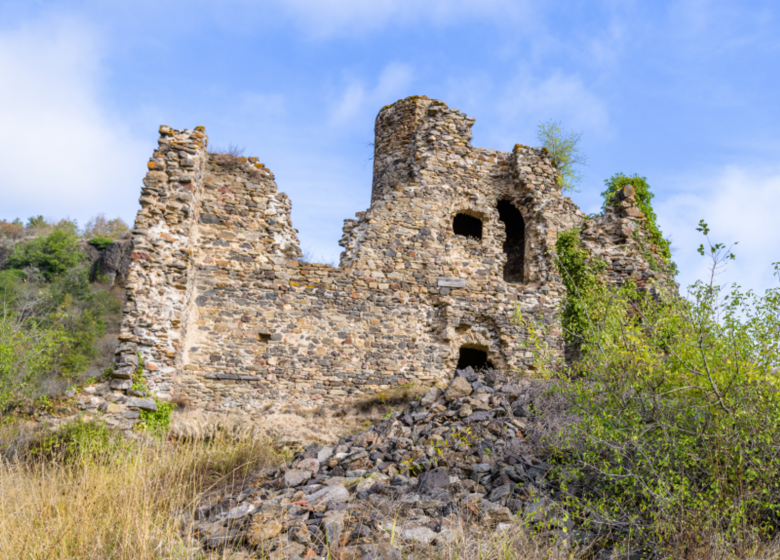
{"points": [[225, 314]]}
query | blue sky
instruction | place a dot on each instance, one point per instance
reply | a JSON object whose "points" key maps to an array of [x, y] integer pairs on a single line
{"points": [[683, 92]]}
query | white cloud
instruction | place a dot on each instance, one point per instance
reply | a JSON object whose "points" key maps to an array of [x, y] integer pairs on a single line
{"points": [[62, 153], [392, 83], [559, 96], [739, 205]]}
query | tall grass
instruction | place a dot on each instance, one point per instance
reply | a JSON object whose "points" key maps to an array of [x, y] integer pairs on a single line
{"points": [[122, 500]]}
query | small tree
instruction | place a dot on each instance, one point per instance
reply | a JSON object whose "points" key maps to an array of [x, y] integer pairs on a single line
{"points": [[564, 150], [100, 227]]}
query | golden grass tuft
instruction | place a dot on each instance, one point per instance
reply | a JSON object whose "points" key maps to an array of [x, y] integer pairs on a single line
{"points": [[136, 502]]}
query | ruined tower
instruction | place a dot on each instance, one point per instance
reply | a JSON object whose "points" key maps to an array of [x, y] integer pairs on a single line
{"points": [[224, 314]]}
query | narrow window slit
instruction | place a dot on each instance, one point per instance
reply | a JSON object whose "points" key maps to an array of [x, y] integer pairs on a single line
{"points": [[514, 246]]}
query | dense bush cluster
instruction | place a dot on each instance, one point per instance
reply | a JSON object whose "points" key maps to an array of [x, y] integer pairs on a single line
{"points": [[51, 317], [676, 446]]}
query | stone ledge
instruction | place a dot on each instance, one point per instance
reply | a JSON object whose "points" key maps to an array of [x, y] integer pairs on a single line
{"points": [[233, 377]]}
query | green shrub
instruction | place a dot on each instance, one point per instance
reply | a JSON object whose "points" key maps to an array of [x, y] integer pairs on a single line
{"points": [[643, 202], [28, 352], [79, 442], [52, 254], [100, 243], [677, 442], [155, 422]]}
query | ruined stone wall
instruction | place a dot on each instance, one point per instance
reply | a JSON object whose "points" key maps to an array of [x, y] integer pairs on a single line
{"points": [[226, 316], [160, 279]]}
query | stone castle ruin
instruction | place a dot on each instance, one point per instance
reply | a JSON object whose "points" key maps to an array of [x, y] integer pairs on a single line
{"points": [[225, 314]]}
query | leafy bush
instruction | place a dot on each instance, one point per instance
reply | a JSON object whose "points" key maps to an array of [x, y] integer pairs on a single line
{"points": [[53, 318], [677, 445], [100, 243], [52, 254]]}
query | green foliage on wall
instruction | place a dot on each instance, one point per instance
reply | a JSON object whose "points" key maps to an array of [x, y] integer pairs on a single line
{"points": [[100, 243], [643, 202], [579, 274]]}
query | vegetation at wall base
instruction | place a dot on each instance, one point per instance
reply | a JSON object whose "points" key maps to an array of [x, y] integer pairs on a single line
{"points": [[676, 446], [156, 422]]}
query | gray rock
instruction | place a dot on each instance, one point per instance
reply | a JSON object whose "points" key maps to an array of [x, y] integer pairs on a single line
{"points": [[325, 454], [240, 511], [334, 492], [500, 493], [479, 416], [333, 527], [431, 397], [436, 479], [296, 477], [422, 535], [311, 465], [145, 404], [459, 387]]}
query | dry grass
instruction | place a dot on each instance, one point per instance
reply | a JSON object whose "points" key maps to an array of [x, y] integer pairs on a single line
{"points": [[134, 501]]}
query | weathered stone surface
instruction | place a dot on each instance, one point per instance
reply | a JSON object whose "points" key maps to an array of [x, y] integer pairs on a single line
{"points": [[263, 528], [433, 480], [296, 477], [144, 404], [459, 387]]}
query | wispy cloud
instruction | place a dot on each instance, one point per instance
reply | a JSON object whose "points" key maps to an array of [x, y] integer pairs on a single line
{"points": [[392, 83], [58, 142], [740, 205]]}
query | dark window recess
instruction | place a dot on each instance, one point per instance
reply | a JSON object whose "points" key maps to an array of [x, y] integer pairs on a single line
{"points": [[514, 246], [467, 226], [263, 337], [473, 357]]}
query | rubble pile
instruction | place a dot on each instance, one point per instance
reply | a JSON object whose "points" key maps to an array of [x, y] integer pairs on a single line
{"points": [[457, 456]]}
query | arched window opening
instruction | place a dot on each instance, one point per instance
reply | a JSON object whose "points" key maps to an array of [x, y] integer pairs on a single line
{"points": [[514, 246], [467, 226], [474, 357]]}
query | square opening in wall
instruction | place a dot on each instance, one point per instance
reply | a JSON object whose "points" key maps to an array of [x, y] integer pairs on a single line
{"points": [[467, 226]]}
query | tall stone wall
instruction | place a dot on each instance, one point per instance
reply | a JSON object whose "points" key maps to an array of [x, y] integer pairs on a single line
{"points": [[161, 275], [227, 316]]}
